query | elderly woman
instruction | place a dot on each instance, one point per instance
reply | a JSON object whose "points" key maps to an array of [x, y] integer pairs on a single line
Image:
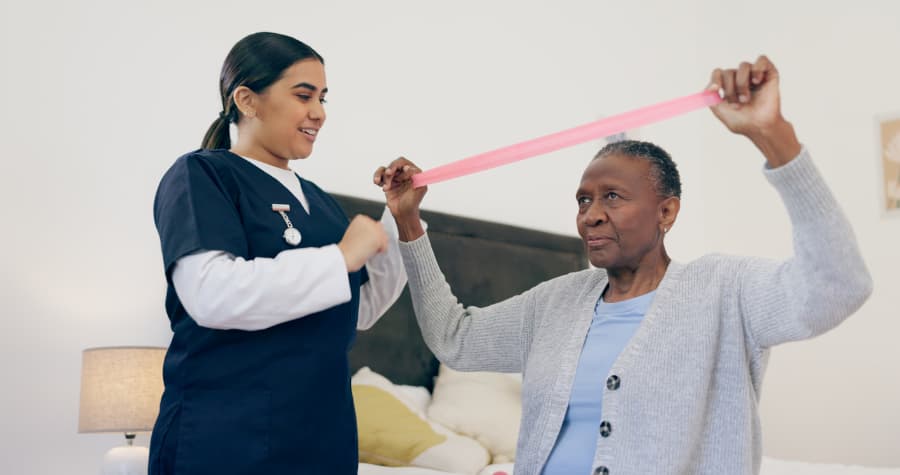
{"points": [[645, 365]]}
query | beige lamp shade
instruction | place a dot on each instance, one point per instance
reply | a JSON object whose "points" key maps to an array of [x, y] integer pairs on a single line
{"points": [[120, 389]]}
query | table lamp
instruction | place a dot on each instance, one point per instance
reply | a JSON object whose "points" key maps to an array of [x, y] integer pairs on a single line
{"points": [[120, 392]]}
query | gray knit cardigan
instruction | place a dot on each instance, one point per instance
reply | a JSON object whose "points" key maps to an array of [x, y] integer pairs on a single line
{"points": [[683, 396]]}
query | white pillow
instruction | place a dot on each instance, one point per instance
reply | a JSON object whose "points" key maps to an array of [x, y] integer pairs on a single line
{"points": [[393, 432], [418, 396], [482, 405]]}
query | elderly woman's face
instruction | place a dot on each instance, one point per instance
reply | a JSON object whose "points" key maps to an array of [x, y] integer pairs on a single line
{"points": [[618, 211]]}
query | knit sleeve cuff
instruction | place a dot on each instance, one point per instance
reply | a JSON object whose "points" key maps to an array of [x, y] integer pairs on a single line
{"points": [[803, 190], [421, 265]]}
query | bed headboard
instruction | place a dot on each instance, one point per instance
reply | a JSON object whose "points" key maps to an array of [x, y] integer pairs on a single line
{"points": [[484, 262]]}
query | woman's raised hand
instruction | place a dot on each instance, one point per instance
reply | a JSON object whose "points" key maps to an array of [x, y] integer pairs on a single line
{"points": [[751, 107], [402, 199]]}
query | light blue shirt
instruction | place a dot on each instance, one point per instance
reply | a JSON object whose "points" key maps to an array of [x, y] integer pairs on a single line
{"points": [[613, 325]]}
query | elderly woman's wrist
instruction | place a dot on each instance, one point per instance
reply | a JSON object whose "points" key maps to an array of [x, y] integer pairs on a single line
{"points": [[409, 227], [778, 143]]}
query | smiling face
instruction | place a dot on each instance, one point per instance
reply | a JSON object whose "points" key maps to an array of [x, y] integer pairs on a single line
{"points": [[621, 215], [282, 121]]}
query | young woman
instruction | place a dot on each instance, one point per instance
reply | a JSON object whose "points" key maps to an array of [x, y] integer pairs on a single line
{"points": [[267, 282], [645, 365]]}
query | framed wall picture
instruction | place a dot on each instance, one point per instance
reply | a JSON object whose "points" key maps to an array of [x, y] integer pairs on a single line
{"points": [[889, 162]]}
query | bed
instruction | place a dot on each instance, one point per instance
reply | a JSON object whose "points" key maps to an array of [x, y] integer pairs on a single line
{"points": [[484, 262], [770, 466]]}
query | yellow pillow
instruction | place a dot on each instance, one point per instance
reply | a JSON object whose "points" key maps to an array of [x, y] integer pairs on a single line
{"points": [[393, 432]]}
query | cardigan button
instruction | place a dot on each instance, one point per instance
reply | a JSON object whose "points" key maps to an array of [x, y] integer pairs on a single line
{"points": [[613, 382], [601, 471], [605, 428]]}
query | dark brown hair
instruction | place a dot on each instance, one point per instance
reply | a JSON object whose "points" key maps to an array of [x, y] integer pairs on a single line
{"points": [[256, 61]]}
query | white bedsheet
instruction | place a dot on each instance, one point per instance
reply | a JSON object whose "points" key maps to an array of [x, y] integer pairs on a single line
{"points": [[366, 469], [770, 466]]}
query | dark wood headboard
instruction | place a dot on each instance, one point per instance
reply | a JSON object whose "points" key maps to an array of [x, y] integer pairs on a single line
{"points": [[484, 263]]}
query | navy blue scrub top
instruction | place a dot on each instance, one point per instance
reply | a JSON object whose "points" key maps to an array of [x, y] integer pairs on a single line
{"points": [[251, 402]]}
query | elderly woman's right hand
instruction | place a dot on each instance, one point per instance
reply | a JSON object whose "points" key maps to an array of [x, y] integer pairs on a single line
{"points": [[752, 107], [402, 199]]}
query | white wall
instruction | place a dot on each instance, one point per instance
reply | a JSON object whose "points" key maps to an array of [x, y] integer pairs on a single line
{"points": [[834, 398], [101, 97]]}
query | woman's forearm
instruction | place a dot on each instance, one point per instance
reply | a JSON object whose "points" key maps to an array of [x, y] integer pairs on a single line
{"points": [[409, 228], [779, 143]]}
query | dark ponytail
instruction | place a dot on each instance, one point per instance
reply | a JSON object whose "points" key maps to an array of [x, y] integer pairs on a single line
{"points": [[218, 135], [256, 61]]}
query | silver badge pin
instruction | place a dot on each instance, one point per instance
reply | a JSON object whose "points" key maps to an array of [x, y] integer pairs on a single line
{"points": [[291, 234]]}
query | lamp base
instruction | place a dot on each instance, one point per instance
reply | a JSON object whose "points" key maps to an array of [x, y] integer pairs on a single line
{"points": [[126, 460]]}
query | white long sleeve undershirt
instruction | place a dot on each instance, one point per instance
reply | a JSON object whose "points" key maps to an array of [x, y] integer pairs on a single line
{"points": [[222, 291]]}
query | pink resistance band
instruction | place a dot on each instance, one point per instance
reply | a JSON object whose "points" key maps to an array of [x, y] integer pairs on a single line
{"points": [[567, 138]]}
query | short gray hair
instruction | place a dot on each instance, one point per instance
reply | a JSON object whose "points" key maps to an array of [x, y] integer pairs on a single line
{"points": [[663, 171]]}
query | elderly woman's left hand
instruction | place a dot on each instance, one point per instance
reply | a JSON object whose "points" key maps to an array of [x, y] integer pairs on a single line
{"points": [[402, 198], [752, 107]]}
